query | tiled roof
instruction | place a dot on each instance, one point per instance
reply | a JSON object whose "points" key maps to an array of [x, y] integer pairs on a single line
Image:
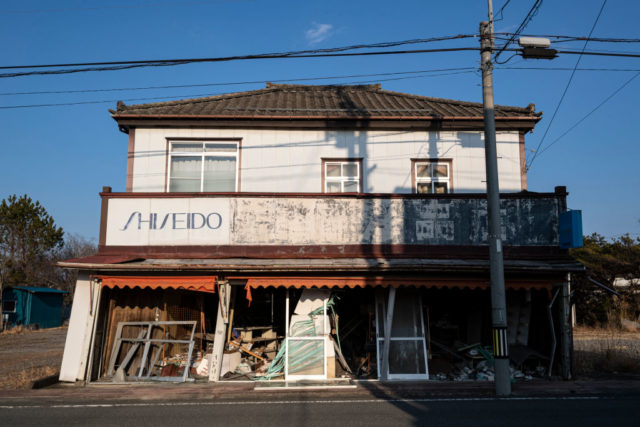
{"points": [[301, 101]]}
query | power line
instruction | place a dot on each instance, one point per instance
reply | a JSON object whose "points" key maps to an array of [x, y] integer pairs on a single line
{"points": [[238, 83], [589, 113], [499, 12], [10, 107], [565, 69], [593, 27], [121, 6], [325, 55], [571, 38], [302, 79], [182, 62], [253, 56], [523, 25], [109, 101]]}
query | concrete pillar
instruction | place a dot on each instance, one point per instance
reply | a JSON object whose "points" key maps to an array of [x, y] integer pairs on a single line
{"points": [[222, 321], [566, 332]]}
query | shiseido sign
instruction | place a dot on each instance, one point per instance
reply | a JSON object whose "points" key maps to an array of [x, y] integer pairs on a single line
{"points": [[173, 221]]}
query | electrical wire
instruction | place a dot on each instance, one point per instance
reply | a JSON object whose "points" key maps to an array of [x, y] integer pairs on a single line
{"points": [[295, 53], [589, 113], [566, 69], [326, 55], [555, 112], [522, 26], [121, 6], [499, 12], [238, 83], [458, 70], [570, 38], [148, 64], [10, 107]]}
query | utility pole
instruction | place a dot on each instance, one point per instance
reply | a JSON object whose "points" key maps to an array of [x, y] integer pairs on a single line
{"points": [[498, 300]]}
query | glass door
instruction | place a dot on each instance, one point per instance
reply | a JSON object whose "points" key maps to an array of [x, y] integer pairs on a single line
{"points": [[407, 348], [307, 336]]}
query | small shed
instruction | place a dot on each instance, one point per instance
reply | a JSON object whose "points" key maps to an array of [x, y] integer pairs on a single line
{"points": [[28, 305]]}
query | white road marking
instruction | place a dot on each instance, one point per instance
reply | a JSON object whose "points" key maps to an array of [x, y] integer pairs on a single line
{"points": [[294, 402]]}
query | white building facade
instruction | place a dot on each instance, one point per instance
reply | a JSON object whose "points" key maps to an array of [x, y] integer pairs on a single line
{"points": [[257, 223]]}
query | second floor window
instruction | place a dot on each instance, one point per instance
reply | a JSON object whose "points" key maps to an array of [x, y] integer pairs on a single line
{"points": [[342, 176], [432, 177], [203, 166]]}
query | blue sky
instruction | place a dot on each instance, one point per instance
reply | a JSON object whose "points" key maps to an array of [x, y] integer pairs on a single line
{"points": [[63, 155]]}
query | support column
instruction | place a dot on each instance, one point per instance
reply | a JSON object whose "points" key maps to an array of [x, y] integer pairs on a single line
{"points": [[222, 320], [566, 331], [388, 323]]}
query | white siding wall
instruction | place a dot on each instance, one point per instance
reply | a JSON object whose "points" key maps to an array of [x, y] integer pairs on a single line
{"points": [[290, 160]]}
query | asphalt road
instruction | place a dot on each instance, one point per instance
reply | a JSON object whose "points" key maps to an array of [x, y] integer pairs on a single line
{"points": [[524, 411]]}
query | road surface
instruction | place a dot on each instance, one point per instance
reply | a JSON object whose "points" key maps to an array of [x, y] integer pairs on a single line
{"points": [[520, 411]]}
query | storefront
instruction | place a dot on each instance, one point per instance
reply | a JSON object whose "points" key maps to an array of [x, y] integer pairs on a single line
{"points": [[395, 297]]}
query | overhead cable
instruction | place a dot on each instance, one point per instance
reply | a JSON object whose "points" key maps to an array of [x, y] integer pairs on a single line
{"points": [[521, 27], [555, 112], [588, 114], [10, 107], [326, 55], [253, 56], [348, 76]]}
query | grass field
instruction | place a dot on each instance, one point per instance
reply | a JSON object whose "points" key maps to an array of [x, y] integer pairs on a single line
{"points": [[26, 356], [599, 351]]}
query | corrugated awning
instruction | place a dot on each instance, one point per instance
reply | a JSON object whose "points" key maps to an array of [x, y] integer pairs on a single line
{"points": [[189, 283], [361, 282]]}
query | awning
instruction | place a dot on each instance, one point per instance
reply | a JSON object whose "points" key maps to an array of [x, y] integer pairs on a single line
{"points": [[189, 283], [360, 282]]}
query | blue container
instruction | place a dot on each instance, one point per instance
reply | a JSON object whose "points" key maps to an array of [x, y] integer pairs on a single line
{"points": [[27, 305], [570, 229]]}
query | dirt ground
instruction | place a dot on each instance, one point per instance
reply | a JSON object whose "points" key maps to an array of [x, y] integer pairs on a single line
{"points": [[30, 355]]}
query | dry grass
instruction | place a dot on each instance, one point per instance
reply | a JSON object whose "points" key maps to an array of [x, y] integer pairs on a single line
{"points": [[25, 377], [15, 330], [29, 355], [606, 351]]}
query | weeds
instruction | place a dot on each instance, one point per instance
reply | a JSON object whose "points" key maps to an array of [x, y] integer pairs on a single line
{"points": [[606, 351]]}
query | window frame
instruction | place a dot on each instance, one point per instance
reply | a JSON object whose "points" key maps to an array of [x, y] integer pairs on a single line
{"points": [[341, 160], [203, 154], [15, 306], [415, 180]]}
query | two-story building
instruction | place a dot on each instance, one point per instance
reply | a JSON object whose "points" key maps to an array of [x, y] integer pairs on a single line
{"points": [[314, 232]]}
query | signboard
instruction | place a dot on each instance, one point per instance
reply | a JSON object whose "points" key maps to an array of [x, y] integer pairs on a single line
{"points": [[301, 221], [171, 221]]}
